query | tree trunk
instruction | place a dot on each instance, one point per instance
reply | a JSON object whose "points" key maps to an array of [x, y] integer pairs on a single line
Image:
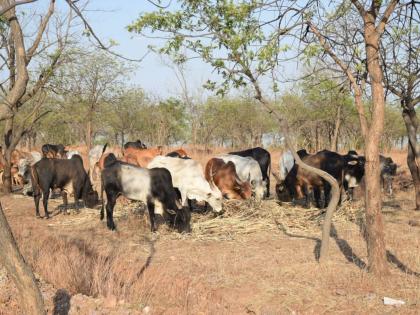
{"points": [[373, 202], [89, 134], [122, 138], [412, 126], [334, 141], [31, 300]]}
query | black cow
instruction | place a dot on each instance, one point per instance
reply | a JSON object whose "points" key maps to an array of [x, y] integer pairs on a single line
{"points": [[53, 151], [347, 169], [388, 171], [64, 174], [142, 184], [135, 144], [263, 158]]}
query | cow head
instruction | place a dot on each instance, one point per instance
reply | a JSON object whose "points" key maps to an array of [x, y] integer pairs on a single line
{"points": [[354, 169], [23, 167], [258, 188], [388, 167], [214, 199], [90, 196]]}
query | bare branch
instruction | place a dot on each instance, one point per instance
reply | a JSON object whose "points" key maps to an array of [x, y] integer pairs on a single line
{"points": [[13, 4]]}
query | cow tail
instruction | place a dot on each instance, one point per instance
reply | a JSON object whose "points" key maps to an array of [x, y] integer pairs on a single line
{"points": [[102, 198], [104, 148]]}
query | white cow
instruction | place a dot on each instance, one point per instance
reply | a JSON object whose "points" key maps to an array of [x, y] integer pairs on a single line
{"points": [[286, 164], [24, 165], [248, 170], [188, 177]]}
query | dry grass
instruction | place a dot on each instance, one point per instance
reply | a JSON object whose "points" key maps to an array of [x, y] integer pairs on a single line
{"points": [[257, 258]]}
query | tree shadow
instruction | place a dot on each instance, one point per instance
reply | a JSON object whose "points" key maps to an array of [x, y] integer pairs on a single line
{"points": [[61, 302], [317, 248], [346, 249], [152, 251], [391, 258]]}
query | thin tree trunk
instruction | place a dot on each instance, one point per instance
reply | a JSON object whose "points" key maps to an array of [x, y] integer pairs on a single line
{"points": [[373, 201], [412, 126], [89, 134], [31, 299], [334, 141]]}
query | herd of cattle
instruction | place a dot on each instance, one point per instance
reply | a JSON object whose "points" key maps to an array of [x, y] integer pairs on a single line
{"points": [[170, 182]]}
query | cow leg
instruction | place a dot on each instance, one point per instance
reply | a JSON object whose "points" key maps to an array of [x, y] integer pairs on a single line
{"points": [[189, 201], [317, 196], [327, 190], [37, 198], [267, 193], [390, 187], [65, 201], [77, 191], [307, 192], [45, 196], [111, 200], [151, 209]]}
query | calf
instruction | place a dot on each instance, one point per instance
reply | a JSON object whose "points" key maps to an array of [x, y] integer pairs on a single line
{"points": [[67, 175], [248, 170], [188, 178], [263, 159], [53, 151], [141, 184], [223, 176]]}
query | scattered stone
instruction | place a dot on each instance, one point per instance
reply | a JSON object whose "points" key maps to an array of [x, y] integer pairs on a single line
{"points": [[391, 301]]}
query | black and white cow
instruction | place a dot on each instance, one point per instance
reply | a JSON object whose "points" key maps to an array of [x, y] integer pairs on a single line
{"points": [[263, 158], [67, 175], [141, 184]]}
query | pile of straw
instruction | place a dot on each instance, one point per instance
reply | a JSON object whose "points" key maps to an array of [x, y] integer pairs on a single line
{"points": [[247, 217]]}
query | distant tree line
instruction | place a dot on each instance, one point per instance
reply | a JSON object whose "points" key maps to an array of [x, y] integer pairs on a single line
{"points": [[89, 102]]}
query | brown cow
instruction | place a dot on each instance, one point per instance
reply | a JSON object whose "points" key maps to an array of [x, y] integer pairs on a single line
{"points": [[223, 175], [140, 157], [346, 169]]}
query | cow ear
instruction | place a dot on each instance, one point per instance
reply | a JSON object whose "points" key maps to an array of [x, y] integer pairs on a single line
{"points": [[352, 162]]}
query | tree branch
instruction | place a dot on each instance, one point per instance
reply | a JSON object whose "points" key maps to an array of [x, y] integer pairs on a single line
{"points": [[381, 27], [42, 26], [13, 4]]}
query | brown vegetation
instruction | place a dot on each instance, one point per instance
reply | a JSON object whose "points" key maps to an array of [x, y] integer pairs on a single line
{"points": [[256, 258]]}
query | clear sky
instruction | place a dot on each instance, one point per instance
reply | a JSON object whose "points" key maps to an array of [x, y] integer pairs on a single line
{"points": [[110, 22]]}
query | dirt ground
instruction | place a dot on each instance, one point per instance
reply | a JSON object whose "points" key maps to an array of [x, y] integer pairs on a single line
{"points": [[83, 268]]}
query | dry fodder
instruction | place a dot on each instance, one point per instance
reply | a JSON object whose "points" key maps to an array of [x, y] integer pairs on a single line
{"points": [[249, 216]]}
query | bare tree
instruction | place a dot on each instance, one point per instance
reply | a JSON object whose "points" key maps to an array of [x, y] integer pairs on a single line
{"points": [[372, 22]]}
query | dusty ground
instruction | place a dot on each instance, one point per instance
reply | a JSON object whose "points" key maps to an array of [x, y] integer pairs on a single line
{"points": [[85, 269]]}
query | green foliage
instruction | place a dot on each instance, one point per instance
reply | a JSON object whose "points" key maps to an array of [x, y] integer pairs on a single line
{"points": [[231, 36], [233, 121]]}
